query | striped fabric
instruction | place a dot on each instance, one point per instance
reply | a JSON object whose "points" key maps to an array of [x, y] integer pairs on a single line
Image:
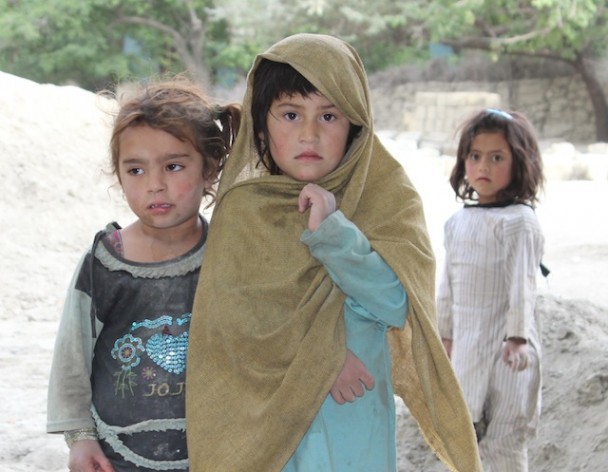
{"points": [[487, 293]]}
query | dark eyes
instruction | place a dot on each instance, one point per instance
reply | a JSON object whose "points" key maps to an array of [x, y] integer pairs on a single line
{"points": [[170, 167], [292, 116], [494, 157]]}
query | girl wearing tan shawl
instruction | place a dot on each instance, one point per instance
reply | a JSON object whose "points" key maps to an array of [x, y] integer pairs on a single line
{"points": [[267, 335]]}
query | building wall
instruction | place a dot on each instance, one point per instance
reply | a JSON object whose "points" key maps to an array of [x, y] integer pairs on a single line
{"points": [[559, 108]]}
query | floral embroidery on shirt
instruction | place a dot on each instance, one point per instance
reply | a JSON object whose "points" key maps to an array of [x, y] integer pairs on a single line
{"points": [[127, 350]]}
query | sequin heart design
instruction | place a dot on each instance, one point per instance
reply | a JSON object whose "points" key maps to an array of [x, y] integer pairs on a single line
{"points": [[168, 351]]}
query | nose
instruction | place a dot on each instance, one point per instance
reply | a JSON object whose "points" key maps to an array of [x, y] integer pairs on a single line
{"points": [[156, 181], [309, 131], [484, 164]]}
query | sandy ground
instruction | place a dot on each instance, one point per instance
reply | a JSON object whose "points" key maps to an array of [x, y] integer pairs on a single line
{"points": [[53, 146]]}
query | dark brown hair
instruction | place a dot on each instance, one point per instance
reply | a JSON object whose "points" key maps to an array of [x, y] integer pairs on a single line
{"points": [[272, 80], [527, 170], [179, 107]]}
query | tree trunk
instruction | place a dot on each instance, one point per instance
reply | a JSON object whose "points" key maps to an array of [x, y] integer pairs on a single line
{"points": [[596, 95], [195, 45], [188, 40]]}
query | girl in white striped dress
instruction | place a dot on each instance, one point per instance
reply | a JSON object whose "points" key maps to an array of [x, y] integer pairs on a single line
{"points": [[486, 299]]}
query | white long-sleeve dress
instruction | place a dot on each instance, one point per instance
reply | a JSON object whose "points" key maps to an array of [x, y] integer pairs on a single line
{"points": [[487, 294]]}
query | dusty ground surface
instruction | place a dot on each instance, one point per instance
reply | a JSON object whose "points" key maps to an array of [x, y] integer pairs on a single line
{"points": [[53, 143]]}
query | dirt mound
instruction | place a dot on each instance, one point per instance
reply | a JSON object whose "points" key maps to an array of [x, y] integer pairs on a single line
{"points": [[573, 433]]}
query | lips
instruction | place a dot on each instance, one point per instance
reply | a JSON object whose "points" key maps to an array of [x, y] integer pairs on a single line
{"points": [[313, 156], [160, 208]]}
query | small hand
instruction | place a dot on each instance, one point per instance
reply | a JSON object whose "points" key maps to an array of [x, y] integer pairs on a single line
{"points": [[321, 203], [86, 456], [515, 354], [447, 345], [352, 380]]}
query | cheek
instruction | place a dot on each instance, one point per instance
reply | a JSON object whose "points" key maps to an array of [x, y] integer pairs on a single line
{"points": [[468, 167], [192, 187], [132, 196], [279, 149], [507, 175], [277, 142], [338, 142]]}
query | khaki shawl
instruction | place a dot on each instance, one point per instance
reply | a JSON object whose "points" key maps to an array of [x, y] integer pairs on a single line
{"points": [[267, 336]]}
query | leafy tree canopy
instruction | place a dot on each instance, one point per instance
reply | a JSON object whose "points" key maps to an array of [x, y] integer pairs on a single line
{"points": [[97, 41], [556, 28]]}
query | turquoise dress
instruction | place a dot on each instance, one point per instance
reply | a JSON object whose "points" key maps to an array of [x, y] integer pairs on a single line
{"points": [[358, 436]]}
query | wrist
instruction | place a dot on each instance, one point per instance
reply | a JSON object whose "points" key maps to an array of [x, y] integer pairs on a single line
{"points": [[79, 435]]}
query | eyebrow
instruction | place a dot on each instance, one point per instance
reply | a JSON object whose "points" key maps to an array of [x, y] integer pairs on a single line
{"points": [[501, 151], [288, 103], [166, 157]]}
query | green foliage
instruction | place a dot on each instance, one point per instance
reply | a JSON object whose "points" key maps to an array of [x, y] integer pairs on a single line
{"points": [[96, 42], [84, 42], [381, 31], [47, 41], [563, 29]]}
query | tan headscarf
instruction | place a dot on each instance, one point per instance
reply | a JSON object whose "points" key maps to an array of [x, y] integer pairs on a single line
{"points": [[267, 336]]}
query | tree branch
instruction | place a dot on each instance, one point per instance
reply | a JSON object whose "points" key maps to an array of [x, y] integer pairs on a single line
{"points": [[140, 20], [482, 45], [493, 43], [189, 45]]}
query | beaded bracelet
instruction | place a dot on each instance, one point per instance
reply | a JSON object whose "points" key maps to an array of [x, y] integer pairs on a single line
{"points": [[78, 435]]}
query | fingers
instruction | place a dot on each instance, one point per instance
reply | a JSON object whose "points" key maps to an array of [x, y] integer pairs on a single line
{"points": [[368, 382], [523, 362], [515, 355], [308, 195], [337, 396], [513, 363], [350, 393], [517, 362], [352, 380], [304, 202], [320, 202], [447, 345], [342, 396]]}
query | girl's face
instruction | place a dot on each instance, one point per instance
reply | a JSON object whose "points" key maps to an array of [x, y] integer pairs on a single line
{"points": [[161, 177], [307, 136], [488, 165]]}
